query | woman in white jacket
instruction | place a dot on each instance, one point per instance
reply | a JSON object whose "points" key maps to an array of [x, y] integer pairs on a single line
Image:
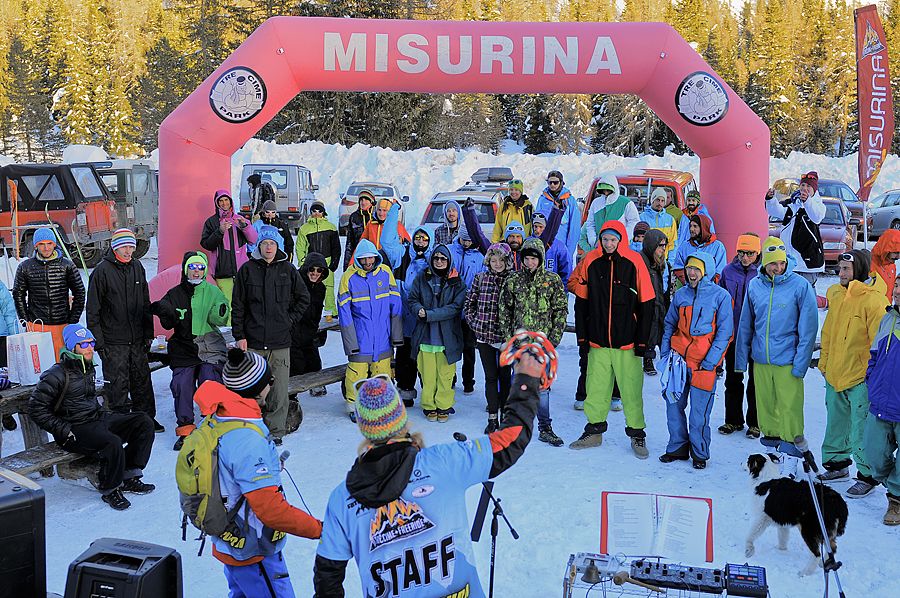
{"points": [[802, 240], [611, 206]]}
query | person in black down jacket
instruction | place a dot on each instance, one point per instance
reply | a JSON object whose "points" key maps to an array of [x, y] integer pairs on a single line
{"points": [[194, 309], [118, 311], [64, 403], [357, 223], [43, 287], [305, 337], [269, 296]]}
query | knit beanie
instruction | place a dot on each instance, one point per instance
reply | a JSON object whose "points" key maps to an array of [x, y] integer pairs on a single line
{"points": [[748, 242], [269, 233], [269, 206], [516, 184], [319, 205], [366, 194], [246, 373], [610, 231], [658, 192], [197, 258], [122, 237], [514, 228], [640, 228], [811, 178], [463, 232], [254, 179], [74, 334], [380, 413], [696, 262], [693, 193], [44, 234], [773, 250]]}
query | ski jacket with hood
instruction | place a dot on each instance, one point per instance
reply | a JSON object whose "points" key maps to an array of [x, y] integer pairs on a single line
{"points": [[570, 224], [661, 221], [557, 258], [442, 297], [375, 228], [699, 326], [520, 211], [735, 279], [684, 223], [884, 368], [41, 290], [706, 243], [249, 467], [658, 277], [799, 242], [406, 261], [469, 262], [889, 242], [614, 297], [482, 307], [118, 303], [444, 234], [369, 309], [482, 243], [9, 323], [615, 207], [78, 406], [194, 313], [779, 321], [306, 329], [854, 314], [267, 300], [533, 300], [319, 235], [226, 253], [401, 512]]}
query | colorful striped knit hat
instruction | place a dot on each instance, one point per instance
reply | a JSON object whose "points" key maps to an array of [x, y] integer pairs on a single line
{"points": [[379, 412], [122, 237], [246, 373]]}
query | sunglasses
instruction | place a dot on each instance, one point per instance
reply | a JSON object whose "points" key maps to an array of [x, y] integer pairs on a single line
{"points": [[553, 181], [317, 270], [317, 211], [196, 267], [439, 258], [420, 238], [87, 344], [744, 253], [663, 244]]}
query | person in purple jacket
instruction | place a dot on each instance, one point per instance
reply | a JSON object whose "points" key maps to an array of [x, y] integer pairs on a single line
{"points": [[735, 278]]}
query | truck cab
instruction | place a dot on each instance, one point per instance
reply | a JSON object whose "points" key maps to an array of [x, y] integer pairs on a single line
{"points": [[133, 186], [293, 186]]}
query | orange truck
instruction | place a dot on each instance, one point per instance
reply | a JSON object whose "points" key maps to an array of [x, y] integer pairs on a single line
{"points": [[639, 185], [71, 198]]}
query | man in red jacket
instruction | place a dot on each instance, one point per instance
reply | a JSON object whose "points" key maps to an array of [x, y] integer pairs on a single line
{"points": [[610, 285]]}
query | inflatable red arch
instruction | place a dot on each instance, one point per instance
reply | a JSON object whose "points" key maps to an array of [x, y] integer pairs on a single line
{"points": [[287, 55]]}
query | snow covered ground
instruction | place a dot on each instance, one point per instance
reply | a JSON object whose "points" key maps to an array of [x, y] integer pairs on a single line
{"points": [[422, 173], [552, 495]]}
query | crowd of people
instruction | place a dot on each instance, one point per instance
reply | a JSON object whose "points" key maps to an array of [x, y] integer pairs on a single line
{"points": [[654, 293]]}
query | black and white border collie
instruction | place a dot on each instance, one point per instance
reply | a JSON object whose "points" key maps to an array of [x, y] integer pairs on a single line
{"points": [[788, 503]]}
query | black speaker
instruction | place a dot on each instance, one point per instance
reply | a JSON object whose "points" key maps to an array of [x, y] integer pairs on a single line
{"points": [[113, 568], [22, 549]]}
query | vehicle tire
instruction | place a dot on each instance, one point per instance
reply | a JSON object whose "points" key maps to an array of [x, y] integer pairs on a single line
{"points": [[91, 254], [895, 225], [141, 249]]}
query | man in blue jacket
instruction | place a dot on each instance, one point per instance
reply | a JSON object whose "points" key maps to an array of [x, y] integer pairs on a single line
{"points": [[401, 512], [882, 433], [779, 321], [557, 195], [698, 327]]}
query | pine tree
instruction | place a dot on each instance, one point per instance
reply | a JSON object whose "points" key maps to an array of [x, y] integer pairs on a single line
{"points": [[538, 126]]}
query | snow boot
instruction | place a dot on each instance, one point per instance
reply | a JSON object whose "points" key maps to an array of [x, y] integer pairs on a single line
{"points": [[469, 389], [351, 410], [408, 396], [863, 487], [136, 486], [318, 391], [834, 475], [649, 368], [443, 415], [431, 414], [493, 424], [178, 443], [699, 464], [591, 437], [672, 457], [158, 428], [892, 515], [727, 429], [615, 404], [549, 436], [639, 447], [116, 500], [753, 432]]}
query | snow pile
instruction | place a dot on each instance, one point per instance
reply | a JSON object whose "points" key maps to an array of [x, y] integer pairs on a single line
{"points": [[423, 172], [83, 153], [4, 160]]}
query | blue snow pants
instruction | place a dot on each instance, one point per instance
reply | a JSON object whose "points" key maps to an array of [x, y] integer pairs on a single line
{"points": [[266, 579], [693, 430]]}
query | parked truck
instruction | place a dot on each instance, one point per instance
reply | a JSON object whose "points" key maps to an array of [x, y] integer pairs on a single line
{"points": [[293, 186], [133, 186]]}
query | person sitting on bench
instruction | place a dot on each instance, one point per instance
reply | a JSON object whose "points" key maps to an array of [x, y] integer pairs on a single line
{"points": [[64, 403]]}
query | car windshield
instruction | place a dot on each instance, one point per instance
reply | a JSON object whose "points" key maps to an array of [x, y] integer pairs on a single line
{"points": [[833, 215], [375, 190], [837, 190], [87, 182]]}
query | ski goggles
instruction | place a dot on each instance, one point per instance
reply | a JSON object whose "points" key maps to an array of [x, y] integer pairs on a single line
{"points": [[420, 237], [318, 209], [196, 267], [86, 344], [772, 248], [846, 257]]}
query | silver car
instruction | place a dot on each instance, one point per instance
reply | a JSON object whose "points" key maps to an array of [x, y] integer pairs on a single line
{"points": [[884, 213]]}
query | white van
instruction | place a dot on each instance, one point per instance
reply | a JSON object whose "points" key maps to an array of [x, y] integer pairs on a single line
{"points": [[294, 190]]}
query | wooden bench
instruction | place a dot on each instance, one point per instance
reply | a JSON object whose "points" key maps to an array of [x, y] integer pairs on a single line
{"points": [[43, 456]]}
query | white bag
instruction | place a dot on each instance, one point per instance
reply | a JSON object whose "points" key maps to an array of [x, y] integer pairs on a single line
{"points": [[27, 355]]}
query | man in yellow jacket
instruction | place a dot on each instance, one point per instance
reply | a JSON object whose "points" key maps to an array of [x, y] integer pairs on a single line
{"points": [[855, 308], [515, 207]]}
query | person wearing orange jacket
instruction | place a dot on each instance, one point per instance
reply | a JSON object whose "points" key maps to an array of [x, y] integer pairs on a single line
{"points": [[884, 254], [613, 312], [376, 225], [249, 474]]}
